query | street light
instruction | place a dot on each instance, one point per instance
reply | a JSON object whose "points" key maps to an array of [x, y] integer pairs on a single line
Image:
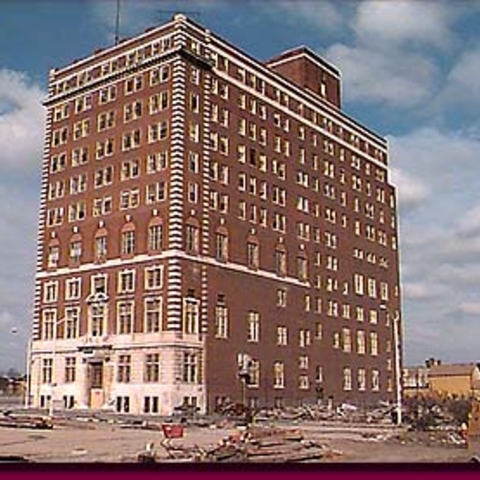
{"points": [[397, 347]]}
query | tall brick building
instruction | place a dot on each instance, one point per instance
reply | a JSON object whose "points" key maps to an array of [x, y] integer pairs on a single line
{"points": [[205, 215]]}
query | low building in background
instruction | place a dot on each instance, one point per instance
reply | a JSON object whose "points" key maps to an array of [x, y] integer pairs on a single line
{"points": [[442, 379]]}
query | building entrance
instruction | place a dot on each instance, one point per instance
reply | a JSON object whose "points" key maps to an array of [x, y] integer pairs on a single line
{"points": [[95, 378]]}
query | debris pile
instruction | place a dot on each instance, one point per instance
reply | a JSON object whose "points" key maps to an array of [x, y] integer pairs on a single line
{"points": [[17, 421], [345, 412], [254, 444]]}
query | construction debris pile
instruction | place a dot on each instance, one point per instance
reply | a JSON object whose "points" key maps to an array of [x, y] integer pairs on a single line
{"points": [[343, 413], [253, 444], [429, 413], [24, 421]]}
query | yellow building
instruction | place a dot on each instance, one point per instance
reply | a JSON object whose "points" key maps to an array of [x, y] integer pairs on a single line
{"points": [[462, 379]]}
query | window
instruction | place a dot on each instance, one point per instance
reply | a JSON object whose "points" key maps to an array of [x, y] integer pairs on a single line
{"points": [[362, 379], [53, 256], [303, 382], [55, 216], [221, 246], [158, 102], [304, 338], [83, 103], [375, 380], [126, 281], [73, 288], [70, 369], [153, 277], [125, 312], [281, 297], [78, 184], [191, 316], [47, 370], [107, 94], [254, 372], [282, 335], [361, 342], [77, 212], [104, 148], [192, 238], [131, 140], [59, 136], [152, 367], [190, 368], [133, 84], [155, 237], [103, 177], [128, 242], [347, 341], [158, 131], [192, 192], [373, 343], [102, 206], [155, 192], [253, 254], [153, 315], [278, 375], [81, 129], [50, 291], [100, 248], [221, 321], [358, 284], [105, 120], [157, 162], [97, 320], [347, 379], [130, 169], [253, 327], [72, 321], [150, 405], [280, 262], [159, 75], [302, 269], [49, 324], [124, 368]]}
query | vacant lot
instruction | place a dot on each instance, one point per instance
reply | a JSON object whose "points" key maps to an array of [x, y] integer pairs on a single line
{"points": [[87, 441]]}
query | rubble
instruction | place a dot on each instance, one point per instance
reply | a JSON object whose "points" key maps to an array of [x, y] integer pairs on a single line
{"points": [[10, 421], [254, 444]]}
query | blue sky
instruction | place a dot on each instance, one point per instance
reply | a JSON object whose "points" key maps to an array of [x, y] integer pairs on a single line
{"points": [[411, 72]]}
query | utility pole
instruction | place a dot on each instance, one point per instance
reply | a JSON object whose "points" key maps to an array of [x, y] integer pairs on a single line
{"points": [[397, 349]]}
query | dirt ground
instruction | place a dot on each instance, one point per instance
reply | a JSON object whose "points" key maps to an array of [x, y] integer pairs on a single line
{"points": [[78, 442]]}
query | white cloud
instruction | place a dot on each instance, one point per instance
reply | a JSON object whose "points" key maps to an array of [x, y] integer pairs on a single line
{"points": [[394, 23], [324, 15], [21, 121], [411, 191], [461, 89], [470, 308], [417, 290], [470, 222], [21, 154], [376, 76]]}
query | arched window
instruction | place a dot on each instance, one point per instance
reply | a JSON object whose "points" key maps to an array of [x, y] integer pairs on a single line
{"points": [[127, 239], [192, 236], [155, 235], [253, 252], [100, 245], [53, 253], [221, 244], [76, 245]]}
